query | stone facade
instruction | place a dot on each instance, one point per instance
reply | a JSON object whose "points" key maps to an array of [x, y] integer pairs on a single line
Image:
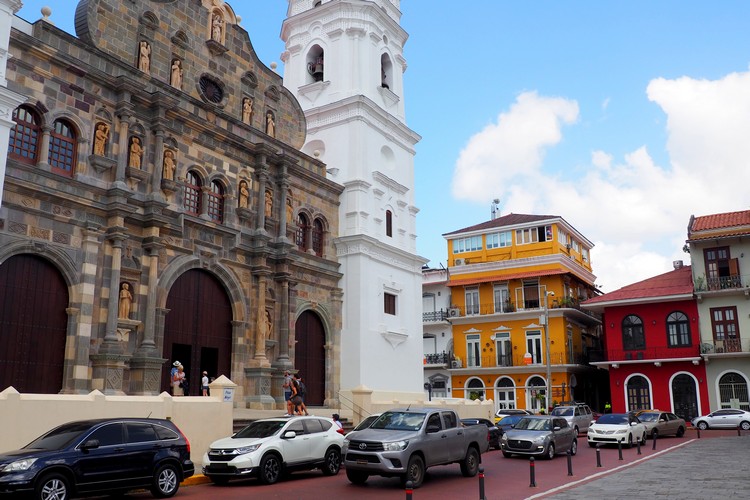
{"points": [[118, 220]]}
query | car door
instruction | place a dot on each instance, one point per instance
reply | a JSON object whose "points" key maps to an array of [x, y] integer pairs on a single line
{"points": [[563, 436], [102, 467], [317, 437], [455, 436], [720, 418], [142, 445], [435, 440], [295, 449]]}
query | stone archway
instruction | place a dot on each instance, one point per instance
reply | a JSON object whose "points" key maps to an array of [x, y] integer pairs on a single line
{"points": [[310, 356]]}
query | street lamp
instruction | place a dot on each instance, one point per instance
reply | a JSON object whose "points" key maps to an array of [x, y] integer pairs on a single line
{"points": [[547, 347]]}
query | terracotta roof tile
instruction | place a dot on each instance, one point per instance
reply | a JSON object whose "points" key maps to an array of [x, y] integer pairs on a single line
{"points": [[676, 282], [721, 221]]}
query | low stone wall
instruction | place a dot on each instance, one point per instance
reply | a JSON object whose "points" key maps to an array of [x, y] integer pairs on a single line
{"points": [[203, 420]]}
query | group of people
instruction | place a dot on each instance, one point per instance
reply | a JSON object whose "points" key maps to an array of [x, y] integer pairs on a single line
{"points": [[180, 384], [294, 394]]}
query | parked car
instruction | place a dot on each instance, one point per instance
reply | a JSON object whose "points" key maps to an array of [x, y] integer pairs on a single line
{"points": [[106, 456], [543, 435], [269, 447], [501, 413], [723, 419], [508, 422], [661, 423], [494, 431], [365, 423], [579, 416], [404, 443], [612, 428]]}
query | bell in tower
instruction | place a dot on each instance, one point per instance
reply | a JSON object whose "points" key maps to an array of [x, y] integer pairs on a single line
{"points": [[315, 68]]}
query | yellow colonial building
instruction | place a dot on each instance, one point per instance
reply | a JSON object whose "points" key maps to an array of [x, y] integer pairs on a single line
{"points": [[516, 282]]}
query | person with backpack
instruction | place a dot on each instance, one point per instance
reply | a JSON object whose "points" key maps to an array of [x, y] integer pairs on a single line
{"points": [[301, 390]]}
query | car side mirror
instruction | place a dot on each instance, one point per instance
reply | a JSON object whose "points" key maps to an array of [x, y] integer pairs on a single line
{"points": [[289, 435], [91, 444], [432, 428], [556, 428]]}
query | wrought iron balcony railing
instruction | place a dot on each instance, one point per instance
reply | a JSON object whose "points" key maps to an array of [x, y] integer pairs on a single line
{"points": [[433, 316], [441, 358], [725, 346]]}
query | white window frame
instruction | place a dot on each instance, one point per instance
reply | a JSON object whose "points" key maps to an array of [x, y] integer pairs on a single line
{"points": [[499, 240], [504, 297], [503, 347], [468, 244], [534, 346], [471, 297], [473, 350]]}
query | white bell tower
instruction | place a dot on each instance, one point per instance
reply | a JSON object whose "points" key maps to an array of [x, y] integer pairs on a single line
{"points": [[344, 63]]}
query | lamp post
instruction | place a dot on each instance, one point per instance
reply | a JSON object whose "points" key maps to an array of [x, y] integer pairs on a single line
{"points": [[547, 348]]}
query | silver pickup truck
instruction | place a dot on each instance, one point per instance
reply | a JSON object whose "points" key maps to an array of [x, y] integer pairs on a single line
{"points": [[404, 443]]}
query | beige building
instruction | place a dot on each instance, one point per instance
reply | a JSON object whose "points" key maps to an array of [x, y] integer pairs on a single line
{"points": [[157, 207]]}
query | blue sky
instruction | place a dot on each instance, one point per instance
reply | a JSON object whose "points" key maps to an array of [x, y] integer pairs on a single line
{"points": [[622, 117]]}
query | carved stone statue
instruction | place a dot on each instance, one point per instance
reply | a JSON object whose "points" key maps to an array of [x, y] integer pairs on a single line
{"points": [[244, 197], [100, 138], [135, 153], [177, 71], [269, 325], [126, 299], [247, 110], [289, 211], [217, 27], [144, 56], [169, 164], [270, 125], [269, 204]]}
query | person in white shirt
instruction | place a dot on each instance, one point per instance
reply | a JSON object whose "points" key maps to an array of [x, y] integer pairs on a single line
{"points": [[204, 383]]}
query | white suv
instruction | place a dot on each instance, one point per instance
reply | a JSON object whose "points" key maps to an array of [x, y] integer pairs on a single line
{"points": [[578, 415], [267, 448]]}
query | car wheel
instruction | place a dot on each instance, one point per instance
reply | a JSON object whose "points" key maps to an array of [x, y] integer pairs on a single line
{"points": [[470, 463], [52, 487], [680, 432], [414, 472], [745, 426], [270, 469], [643, 438], [630, 441], [702, 426], [332, 462], [356, 476], [550, 451], [219, 480], [574, 447], [166, 481]]}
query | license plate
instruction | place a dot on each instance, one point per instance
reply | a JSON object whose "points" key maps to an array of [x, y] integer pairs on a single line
{"points": [[361, 462]]}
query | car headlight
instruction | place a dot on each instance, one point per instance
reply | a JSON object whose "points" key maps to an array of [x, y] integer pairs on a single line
{"points": [[505, 437], [19, 465], [395, 446], [621, 431], [246, 449]]}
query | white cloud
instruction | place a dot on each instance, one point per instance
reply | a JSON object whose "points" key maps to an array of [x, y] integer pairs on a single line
{"points": [[636, 210]]}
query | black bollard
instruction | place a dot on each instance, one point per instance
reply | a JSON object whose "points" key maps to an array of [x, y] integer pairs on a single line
{"points": [[619, 448], [699, 432], [570, 463], [598, 456], [532, 474], [409, 489], [654, 437], [481, 483], [638, 445], [739, 430]]}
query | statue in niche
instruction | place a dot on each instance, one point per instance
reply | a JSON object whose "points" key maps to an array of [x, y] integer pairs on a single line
{"points": [[126, 300], [247, 110], [269, 325], [270, 125], [169, 165], [244, 197], [144, 56], [289, 211], [100, 138], [177, 71], [269, 204], [217, 27], [135, 153]]}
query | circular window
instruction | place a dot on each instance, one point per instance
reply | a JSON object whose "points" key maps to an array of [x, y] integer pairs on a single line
{"points": [[211, 90]]}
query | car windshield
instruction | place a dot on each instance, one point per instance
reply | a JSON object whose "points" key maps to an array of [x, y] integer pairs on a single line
{"points": [[260, 429], [366, 423], [612, 418], [400, 421], [534, 424], [511, 420], [562, 412], [648, 417], [60, 437]]}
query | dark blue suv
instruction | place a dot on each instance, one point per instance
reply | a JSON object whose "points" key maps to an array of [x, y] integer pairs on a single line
{"points": [[106, 455]]}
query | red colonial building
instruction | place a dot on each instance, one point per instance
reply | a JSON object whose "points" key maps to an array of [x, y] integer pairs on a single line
{"points": [[652, 345]]}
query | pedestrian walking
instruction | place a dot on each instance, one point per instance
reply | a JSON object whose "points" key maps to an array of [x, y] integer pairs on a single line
{"points": [[301, 391], [204, 383], [288, 392]]}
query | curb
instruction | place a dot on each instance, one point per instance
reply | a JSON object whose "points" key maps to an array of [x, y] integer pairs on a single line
{"points": [[195, 480]]}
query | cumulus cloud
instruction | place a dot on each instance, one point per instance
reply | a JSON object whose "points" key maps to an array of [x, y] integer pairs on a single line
{"points": [[634, 209]]}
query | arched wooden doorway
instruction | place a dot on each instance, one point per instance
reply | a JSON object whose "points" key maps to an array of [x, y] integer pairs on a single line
{"points": [[310, 356], [685, 397], [33, 325], [198, 328]]}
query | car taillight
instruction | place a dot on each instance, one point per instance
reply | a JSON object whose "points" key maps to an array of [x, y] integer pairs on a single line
{"points": [[187, 441]]}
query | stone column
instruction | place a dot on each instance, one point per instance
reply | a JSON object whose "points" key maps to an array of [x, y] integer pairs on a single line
{"points": [[44, 147], [284, 186], [260, 324], [284, 326], [122, 144], [156, 173], [261, 198]]}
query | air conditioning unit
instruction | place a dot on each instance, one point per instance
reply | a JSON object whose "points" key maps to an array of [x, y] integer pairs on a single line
{"points": [[460, 262], [454, 312]]}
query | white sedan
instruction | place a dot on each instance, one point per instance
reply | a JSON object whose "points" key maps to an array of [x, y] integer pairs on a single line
{"points": [[612, 428], [725, 419], [270, 447]]}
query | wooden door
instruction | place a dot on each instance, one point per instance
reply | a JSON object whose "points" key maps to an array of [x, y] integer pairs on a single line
{"points": [[33, 325], [685, 397], [197, 326], [310, 357]]}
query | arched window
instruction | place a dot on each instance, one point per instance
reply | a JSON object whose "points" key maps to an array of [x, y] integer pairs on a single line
{"points": [[315, 64], [474, 389], [303, 227], [733, 391], [505, 394], [678, 330], [192, 193], [388, 223], [639, 397], [62, 148], [317, 237], [632, 333], [24, 136], [386, 72], [216, 202]]}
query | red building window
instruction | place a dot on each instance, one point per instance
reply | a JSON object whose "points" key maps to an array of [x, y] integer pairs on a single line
{"points": [[632, 333], [678, 330], [62, 149], [24, 136], [192, 194], [215, 207], [317, 238], [303, 227]]}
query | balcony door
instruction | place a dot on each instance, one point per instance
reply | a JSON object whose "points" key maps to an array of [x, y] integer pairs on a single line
{"points": [[534, 346], [504, 349], [473, 350], [725, 329], [472, 301], [505, 394], [502, 298]]}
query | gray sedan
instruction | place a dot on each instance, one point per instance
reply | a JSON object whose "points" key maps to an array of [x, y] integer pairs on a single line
{"points": [[662, 423], [543, 436]]}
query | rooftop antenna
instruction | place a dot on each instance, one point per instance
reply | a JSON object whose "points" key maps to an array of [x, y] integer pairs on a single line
{"points": [[495, 210]]}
